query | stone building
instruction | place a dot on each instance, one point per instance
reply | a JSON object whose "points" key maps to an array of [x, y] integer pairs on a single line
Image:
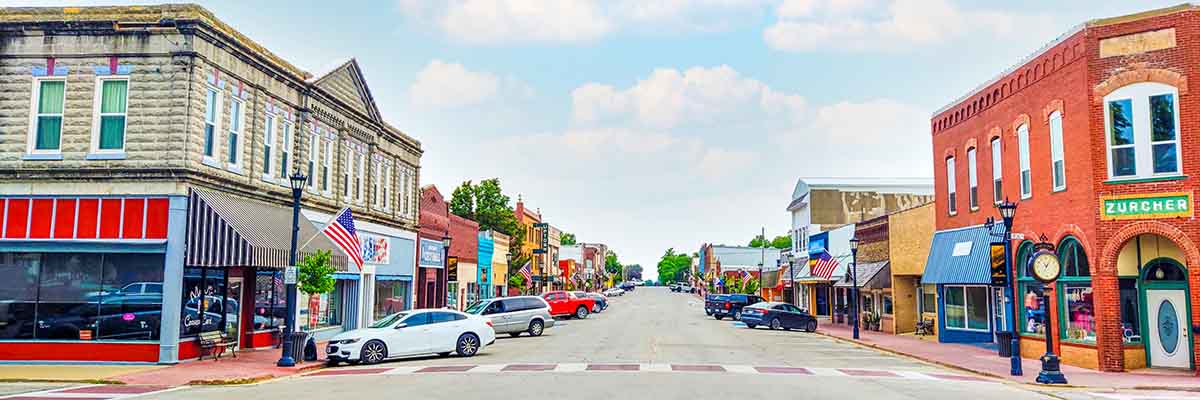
{"points": [[144, 154]]}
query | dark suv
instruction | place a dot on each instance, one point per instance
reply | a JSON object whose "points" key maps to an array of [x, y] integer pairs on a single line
{"points": [[712, 302], [732, 305]]}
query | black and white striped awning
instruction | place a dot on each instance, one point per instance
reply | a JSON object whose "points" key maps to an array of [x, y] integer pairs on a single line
{"points": [[225, 231]]}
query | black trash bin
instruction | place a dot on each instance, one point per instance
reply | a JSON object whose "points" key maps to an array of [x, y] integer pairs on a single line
{"points": [[299, 340], [1004, 343]]}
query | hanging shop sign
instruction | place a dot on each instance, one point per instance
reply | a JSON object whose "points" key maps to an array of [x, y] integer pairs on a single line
{"points": [[999, 265], [431, 254], [1146, 206], [374, 249]]}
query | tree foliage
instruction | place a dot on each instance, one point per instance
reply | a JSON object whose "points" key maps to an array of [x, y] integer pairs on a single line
{"points": [[735, 284], [567, 239], [673, 267], [314, 274], [487, 204], [779, 242], [611, 265], [462, 201]]}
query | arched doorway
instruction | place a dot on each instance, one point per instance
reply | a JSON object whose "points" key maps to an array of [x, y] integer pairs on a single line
{"points": [[1164, 288]]}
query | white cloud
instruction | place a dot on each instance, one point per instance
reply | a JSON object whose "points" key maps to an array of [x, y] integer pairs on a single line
{"points": [[502, 21], [894, 25], [448, 84]]}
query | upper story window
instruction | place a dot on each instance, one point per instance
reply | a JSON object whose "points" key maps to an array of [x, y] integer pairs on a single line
{"points": [[1023, 155], [285, 159], [235, 133], [997, 172], [385, 182], [269, 147], [326, 161], [359, 174], [1141, 121], [108, 121], [46, 122], [952, 197], [313, 150], [212, 104], [972, 180], [1057, 165], [349, 166]]}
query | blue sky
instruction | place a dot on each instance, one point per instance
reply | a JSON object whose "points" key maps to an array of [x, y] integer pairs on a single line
{"points": [[649, 124]]}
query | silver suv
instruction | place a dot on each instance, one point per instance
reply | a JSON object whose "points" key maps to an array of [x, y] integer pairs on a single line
{"points": [[515, 315]]}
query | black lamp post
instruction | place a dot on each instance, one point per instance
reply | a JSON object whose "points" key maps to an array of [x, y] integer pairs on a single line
{"points": [[854, 281], [446, 265], [507, 266], [791, 259], [287, 359], [1008, 211]]}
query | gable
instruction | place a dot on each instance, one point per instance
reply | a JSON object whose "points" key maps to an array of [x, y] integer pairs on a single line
{"points": [[346, 84]]}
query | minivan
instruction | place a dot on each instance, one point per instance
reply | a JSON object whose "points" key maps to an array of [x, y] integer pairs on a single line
{"points": [[515, 315]]}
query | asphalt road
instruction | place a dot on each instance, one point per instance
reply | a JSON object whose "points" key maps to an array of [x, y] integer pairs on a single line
{"points": [[677, 351]]}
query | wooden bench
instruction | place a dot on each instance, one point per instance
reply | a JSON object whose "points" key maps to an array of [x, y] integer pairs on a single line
{"points": [[215, 343]]}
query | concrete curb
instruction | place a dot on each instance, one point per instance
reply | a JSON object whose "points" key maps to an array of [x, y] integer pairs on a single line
{"points": [[1000, 377], [257, 379]]}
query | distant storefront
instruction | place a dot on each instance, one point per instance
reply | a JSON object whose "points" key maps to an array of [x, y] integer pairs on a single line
{"points": [[384, 286], [958, 270]]}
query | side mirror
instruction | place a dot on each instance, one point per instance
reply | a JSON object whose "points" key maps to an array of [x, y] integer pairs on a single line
{"points": [[401, 325]]}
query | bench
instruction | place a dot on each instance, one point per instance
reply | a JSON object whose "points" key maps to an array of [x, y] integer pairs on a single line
{"points": [[215, 343], [925, 327]]}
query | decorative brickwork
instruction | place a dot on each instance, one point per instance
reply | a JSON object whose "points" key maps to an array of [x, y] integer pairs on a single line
{"points": [[1139, 73], [1055, 105]]}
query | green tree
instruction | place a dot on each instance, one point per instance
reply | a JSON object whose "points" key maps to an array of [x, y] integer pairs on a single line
{"points": [[611, 265], [462, 201], [314, 274], [672, 267], [782, 242], [487, 204], [567, 239]]}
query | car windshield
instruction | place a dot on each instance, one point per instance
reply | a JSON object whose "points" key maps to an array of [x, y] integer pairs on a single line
{"points": [[476, 308], [388, 320]]}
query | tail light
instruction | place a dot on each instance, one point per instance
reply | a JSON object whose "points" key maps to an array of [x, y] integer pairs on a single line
{"points": [[489, 322], [727, 306]]}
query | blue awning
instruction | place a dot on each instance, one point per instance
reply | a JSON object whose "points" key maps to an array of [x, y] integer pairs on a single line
{"points": [[961, 255], [346, 276], [393, 278]]}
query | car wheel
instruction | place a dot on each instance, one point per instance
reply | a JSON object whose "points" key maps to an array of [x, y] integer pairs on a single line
{"points": [[811, 326], [581, 312], [536, 327], [751, 326], [775, 325], [708, 313], [718, 317], [737, 315], [595, 309], [514, 334], [468, 345], [373, 352]]}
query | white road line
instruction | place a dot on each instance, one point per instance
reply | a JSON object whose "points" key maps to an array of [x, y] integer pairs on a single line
{"points": [[740, 369], [571, 367], [826, 372], [913, 375], [655, 367], [488, 369], [401, 370]]}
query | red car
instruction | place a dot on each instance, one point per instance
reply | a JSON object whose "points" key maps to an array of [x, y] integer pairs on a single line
{"points": [[567, 304]]}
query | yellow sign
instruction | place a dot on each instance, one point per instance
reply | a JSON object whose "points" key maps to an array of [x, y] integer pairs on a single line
{"points": [[1146, 206]]}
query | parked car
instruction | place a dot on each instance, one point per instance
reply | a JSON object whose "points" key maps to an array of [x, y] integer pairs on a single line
{"points": [[686, 288], [712, 302], [601, 301], [674, 287], [628, 286], [564, 304], [777, 316], [733, 303], [410, 333], [610, 292], [515, 315]]}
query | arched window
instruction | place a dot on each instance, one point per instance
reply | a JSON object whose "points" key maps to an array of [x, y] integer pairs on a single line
{"points": [[1077, 312], [1163, 270], [1029, 293]]}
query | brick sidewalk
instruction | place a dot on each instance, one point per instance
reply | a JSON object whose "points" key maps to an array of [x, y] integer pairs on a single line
{"points": [[248, 367], [985, 362]]}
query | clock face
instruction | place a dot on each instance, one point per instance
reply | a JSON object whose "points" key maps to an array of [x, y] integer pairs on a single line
{"points": [[1046, 267]]}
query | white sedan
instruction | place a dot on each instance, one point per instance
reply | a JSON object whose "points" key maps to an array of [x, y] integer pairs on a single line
{"points": [[410, 333], [614, 292]]}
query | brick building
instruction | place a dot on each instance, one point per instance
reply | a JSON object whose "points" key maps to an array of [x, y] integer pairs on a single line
{"points": [[462, 280], [1086, 134], [144, 155], [432, 252]]}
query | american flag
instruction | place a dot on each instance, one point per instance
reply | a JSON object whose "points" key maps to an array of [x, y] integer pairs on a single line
{"points": [[341, 231], [746, 275], [824, 266], [527, 274]]}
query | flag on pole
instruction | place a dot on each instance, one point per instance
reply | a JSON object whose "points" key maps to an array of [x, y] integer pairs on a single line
{"points": [[824, 266], [527, 274], [746, 275], [341, 231]]}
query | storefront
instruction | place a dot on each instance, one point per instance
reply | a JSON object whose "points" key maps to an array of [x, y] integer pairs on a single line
{"points": [[959, 270], [875, 295], [431, 269], [486, 248]]}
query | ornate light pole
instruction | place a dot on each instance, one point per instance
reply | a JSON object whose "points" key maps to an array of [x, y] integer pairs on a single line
{"points": [[791, 259], [854, 281], [287, 359], [445, 269], [1008, 211]]}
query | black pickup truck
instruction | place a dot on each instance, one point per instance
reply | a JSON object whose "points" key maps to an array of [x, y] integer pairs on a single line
{"points": [[730, 305]]}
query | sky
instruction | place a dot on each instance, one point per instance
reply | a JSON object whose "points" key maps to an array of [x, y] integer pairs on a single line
{"points": [[656, 124]]}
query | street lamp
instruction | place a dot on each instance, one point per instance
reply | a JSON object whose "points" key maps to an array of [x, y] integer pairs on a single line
{"points": [[854, 282], [1008, 211], [445, 268], [791, 259], [287, 359]]}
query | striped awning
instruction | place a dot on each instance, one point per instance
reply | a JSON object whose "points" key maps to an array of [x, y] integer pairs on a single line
{"points": [[225, 231]]}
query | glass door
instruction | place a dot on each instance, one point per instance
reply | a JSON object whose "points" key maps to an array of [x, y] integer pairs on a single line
{"points": [[233, 317], [999, 311]]}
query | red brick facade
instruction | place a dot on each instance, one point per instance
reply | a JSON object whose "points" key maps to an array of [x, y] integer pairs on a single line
{"points": [[464, 235], [435, 226], [1071, 77]]}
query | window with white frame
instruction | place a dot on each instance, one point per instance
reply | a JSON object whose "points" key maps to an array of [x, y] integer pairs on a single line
{"points": [[349, 166], [235, 133], [376, 178], [951, 197], [384, 185], [1141, 121], [46, 116], [997, 172], [108, 121], [285, 151], [1058, 166], [1023, 155], [326, 161], [359, 174], [966, 307], [212, 106], [269, 147], [972, 180], [313, 147]]}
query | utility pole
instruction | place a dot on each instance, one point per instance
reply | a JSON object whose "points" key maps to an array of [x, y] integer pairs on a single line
{"points": [[762, 261]]}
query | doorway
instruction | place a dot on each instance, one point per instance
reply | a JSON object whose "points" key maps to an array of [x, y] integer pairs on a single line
{"points": [[233, 313], [1168, 314]]}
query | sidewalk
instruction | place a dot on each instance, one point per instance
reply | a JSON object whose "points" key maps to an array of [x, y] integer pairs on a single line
{"points": [[249, 366], [985, 362]]}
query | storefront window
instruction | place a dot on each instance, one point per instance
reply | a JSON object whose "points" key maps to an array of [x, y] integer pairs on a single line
{"points": [[204, 294], [1081, 317], [929, 299], [270, 302], [1033, 308], [887, 304], [966, 307], [390, 297], [323, 310], [452, 294], [1131, 330], [80, 296]]}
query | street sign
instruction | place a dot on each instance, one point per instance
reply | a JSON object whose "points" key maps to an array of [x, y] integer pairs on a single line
{"points": [[289, 276], [1017, 236]]}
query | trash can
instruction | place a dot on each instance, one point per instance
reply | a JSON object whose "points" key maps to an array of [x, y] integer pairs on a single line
{"points": [[299, 340], [310, 349], [1004, 343]]}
